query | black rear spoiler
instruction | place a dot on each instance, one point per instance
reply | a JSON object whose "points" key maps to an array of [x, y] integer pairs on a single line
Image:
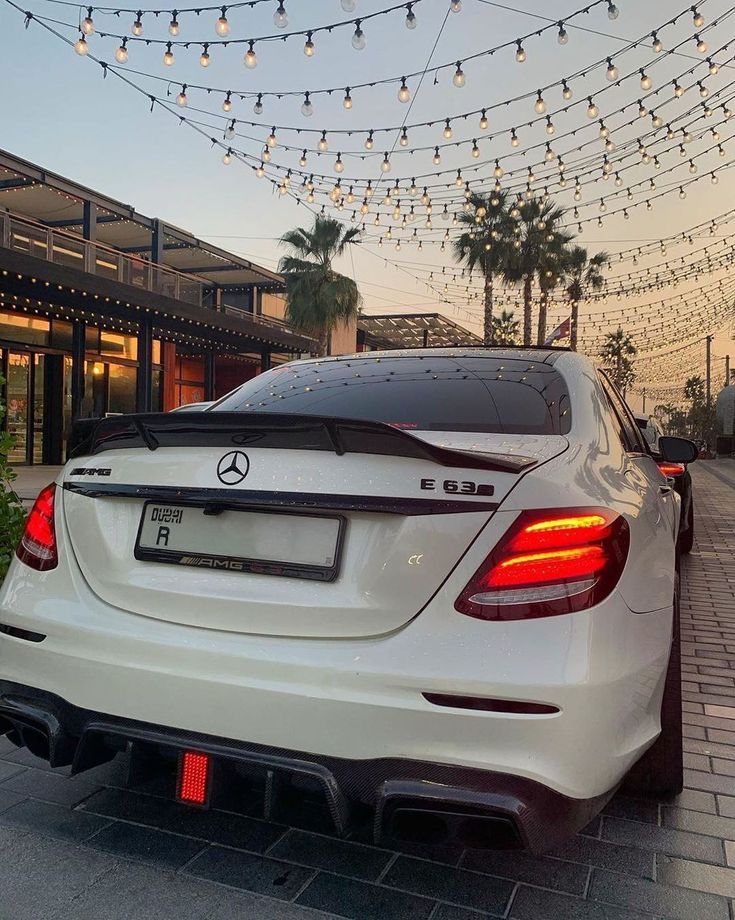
{"points": [[274, 430]]}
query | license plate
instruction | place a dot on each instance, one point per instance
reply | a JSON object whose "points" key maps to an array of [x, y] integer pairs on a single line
{"points": [[267, 542]]}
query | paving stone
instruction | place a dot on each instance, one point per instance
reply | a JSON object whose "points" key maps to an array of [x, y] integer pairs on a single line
{"points": [[726, 805], [9, 769], [694, 800], [157, 847], [709, 782], [634, 809], [605, 855], [53, 820], [215, 826], [8, 799], [51, 787], [662, 840], [667, 900], [521, 867], [253, 873], [699, 823], [362, 901], [340, 856], [535, 904], [38, 876], [445, 883], [700, 876]]}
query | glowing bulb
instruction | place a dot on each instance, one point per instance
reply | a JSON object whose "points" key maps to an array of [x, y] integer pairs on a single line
{"points": [[347, 101], [227, 158], [222, 26], [657, 45], [404, 93], [498, 171], [260, 171], [592, 110], [358, 37], [563, 36], [459, 78], [369, 142], [612, 71], [515, 141], [404, 139], [307, 109], [520, 53], [173, 26], [455, 5], [181, 98], [338, 164], [271, 140], [266, 155], [168, 56], [302, 159], [251, 58], [566, 91], [80, 46], [483, 121], [702, 46], [227, 104], [121, 54], [258, 106], [138, 24], [678, 90], [436, 159], [88, 22], [646, 81], [539, 105], [204, 56], [309, 46], [698, 18], [280, 17], [475, 149], [447, 130], [385, 165]]}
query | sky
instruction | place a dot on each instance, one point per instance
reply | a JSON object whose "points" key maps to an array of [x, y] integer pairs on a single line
{"points": [[57, 110]]}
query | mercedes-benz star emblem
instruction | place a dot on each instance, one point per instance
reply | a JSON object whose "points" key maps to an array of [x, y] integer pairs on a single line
{"points": [[233, 468]]}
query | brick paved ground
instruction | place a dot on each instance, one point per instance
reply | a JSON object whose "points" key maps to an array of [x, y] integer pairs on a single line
{"points": [[87, 849]]}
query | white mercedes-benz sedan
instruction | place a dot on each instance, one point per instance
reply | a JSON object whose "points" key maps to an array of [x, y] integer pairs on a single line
{"points": [[442, 583]]}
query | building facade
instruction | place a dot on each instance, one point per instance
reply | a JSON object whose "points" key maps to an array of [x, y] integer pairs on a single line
{"points": [[104, 310]]}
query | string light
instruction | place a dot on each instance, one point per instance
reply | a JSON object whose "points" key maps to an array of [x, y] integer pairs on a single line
{"points": [[88, 23], [309, 47], [80, 45], [222, 27], [307, 109], [520, 52], [173, 26], [358, 37], [563, 36], [404, 93], [137, 28], [280, 17], [121, 54], [410, 17], [251, 58], [168, 57], [459, 78]]}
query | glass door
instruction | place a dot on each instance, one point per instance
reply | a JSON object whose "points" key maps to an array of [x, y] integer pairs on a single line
{"points": [[38, 402], [17, 402]]}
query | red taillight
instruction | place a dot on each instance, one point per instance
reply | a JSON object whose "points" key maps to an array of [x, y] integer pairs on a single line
{"points": [[37, 546], [193, 784], [671, 469], [549, 562]]}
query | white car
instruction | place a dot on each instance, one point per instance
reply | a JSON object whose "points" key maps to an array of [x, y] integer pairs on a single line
{"points": [[442, 583]]}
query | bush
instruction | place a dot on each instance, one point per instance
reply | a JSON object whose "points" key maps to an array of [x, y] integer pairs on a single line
{"points": [[12, 513]]}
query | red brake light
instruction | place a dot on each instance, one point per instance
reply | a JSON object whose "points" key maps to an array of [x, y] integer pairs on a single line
{"points": [[194, 771], [671, 469], [549, 562], [37, 546]]}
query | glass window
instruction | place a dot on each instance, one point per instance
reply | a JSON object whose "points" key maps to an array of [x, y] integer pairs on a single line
{"points": [[156, 351], [433, 392], [119, 346], [122, 388], [15, 327], [92, 338], [61, 334], [630, 432]]}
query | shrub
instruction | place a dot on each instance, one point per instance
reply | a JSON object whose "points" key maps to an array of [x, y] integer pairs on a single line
{"points": [[12, 513]]}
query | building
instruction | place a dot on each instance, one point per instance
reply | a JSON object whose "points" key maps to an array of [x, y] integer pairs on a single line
{"points": [[104, 310]]}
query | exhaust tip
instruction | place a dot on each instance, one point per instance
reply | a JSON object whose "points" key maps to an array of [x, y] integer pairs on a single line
{"points": [[417, 823]]}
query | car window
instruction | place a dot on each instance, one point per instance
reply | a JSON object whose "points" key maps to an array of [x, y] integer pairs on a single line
{"points": [[429, 392], [630, 433]]}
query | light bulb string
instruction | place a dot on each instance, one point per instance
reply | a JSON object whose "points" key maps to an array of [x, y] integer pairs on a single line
{"points": [[246, 94], [479, 136], [224, 42], [580, 169], [134, 10]]}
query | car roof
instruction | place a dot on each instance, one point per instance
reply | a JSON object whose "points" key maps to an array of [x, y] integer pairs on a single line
{"points": [[509, 352]]}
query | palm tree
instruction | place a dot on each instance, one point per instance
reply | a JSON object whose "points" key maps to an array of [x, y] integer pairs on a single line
{"points": [[582, 273], [616, 354], [536, 249], [483, 245], [318, 297], [504, 329]]}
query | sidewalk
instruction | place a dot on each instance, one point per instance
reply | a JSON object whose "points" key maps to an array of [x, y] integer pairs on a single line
{"points": [[88, 849]]}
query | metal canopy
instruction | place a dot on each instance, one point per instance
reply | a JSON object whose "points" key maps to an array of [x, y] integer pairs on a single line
{"points": [[414, 330], [35, 193]]}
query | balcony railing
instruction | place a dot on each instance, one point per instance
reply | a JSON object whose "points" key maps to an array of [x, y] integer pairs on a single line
{"points": [[97, 259]]}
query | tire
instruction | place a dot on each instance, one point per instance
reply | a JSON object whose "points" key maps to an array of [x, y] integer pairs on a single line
{"points": [[686, 540], [660, 772]]}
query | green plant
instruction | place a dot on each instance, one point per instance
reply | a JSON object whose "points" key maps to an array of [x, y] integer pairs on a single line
{"points": [[582, 272], [12, 513], [505, 329], [483, 245], [616, 355], [318, 298]]}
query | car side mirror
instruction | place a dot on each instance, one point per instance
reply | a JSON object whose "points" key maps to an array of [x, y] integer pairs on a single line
{"points": [[678, 450]]}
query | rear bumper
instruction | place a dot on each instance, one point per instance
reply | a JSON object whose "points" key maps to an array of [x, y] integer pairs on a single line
{"points": [[478, 807]]}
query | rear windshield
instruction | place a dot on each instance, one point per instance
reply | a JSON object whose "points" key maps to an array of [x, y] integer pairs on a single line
{"points": [[427, 392]]}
